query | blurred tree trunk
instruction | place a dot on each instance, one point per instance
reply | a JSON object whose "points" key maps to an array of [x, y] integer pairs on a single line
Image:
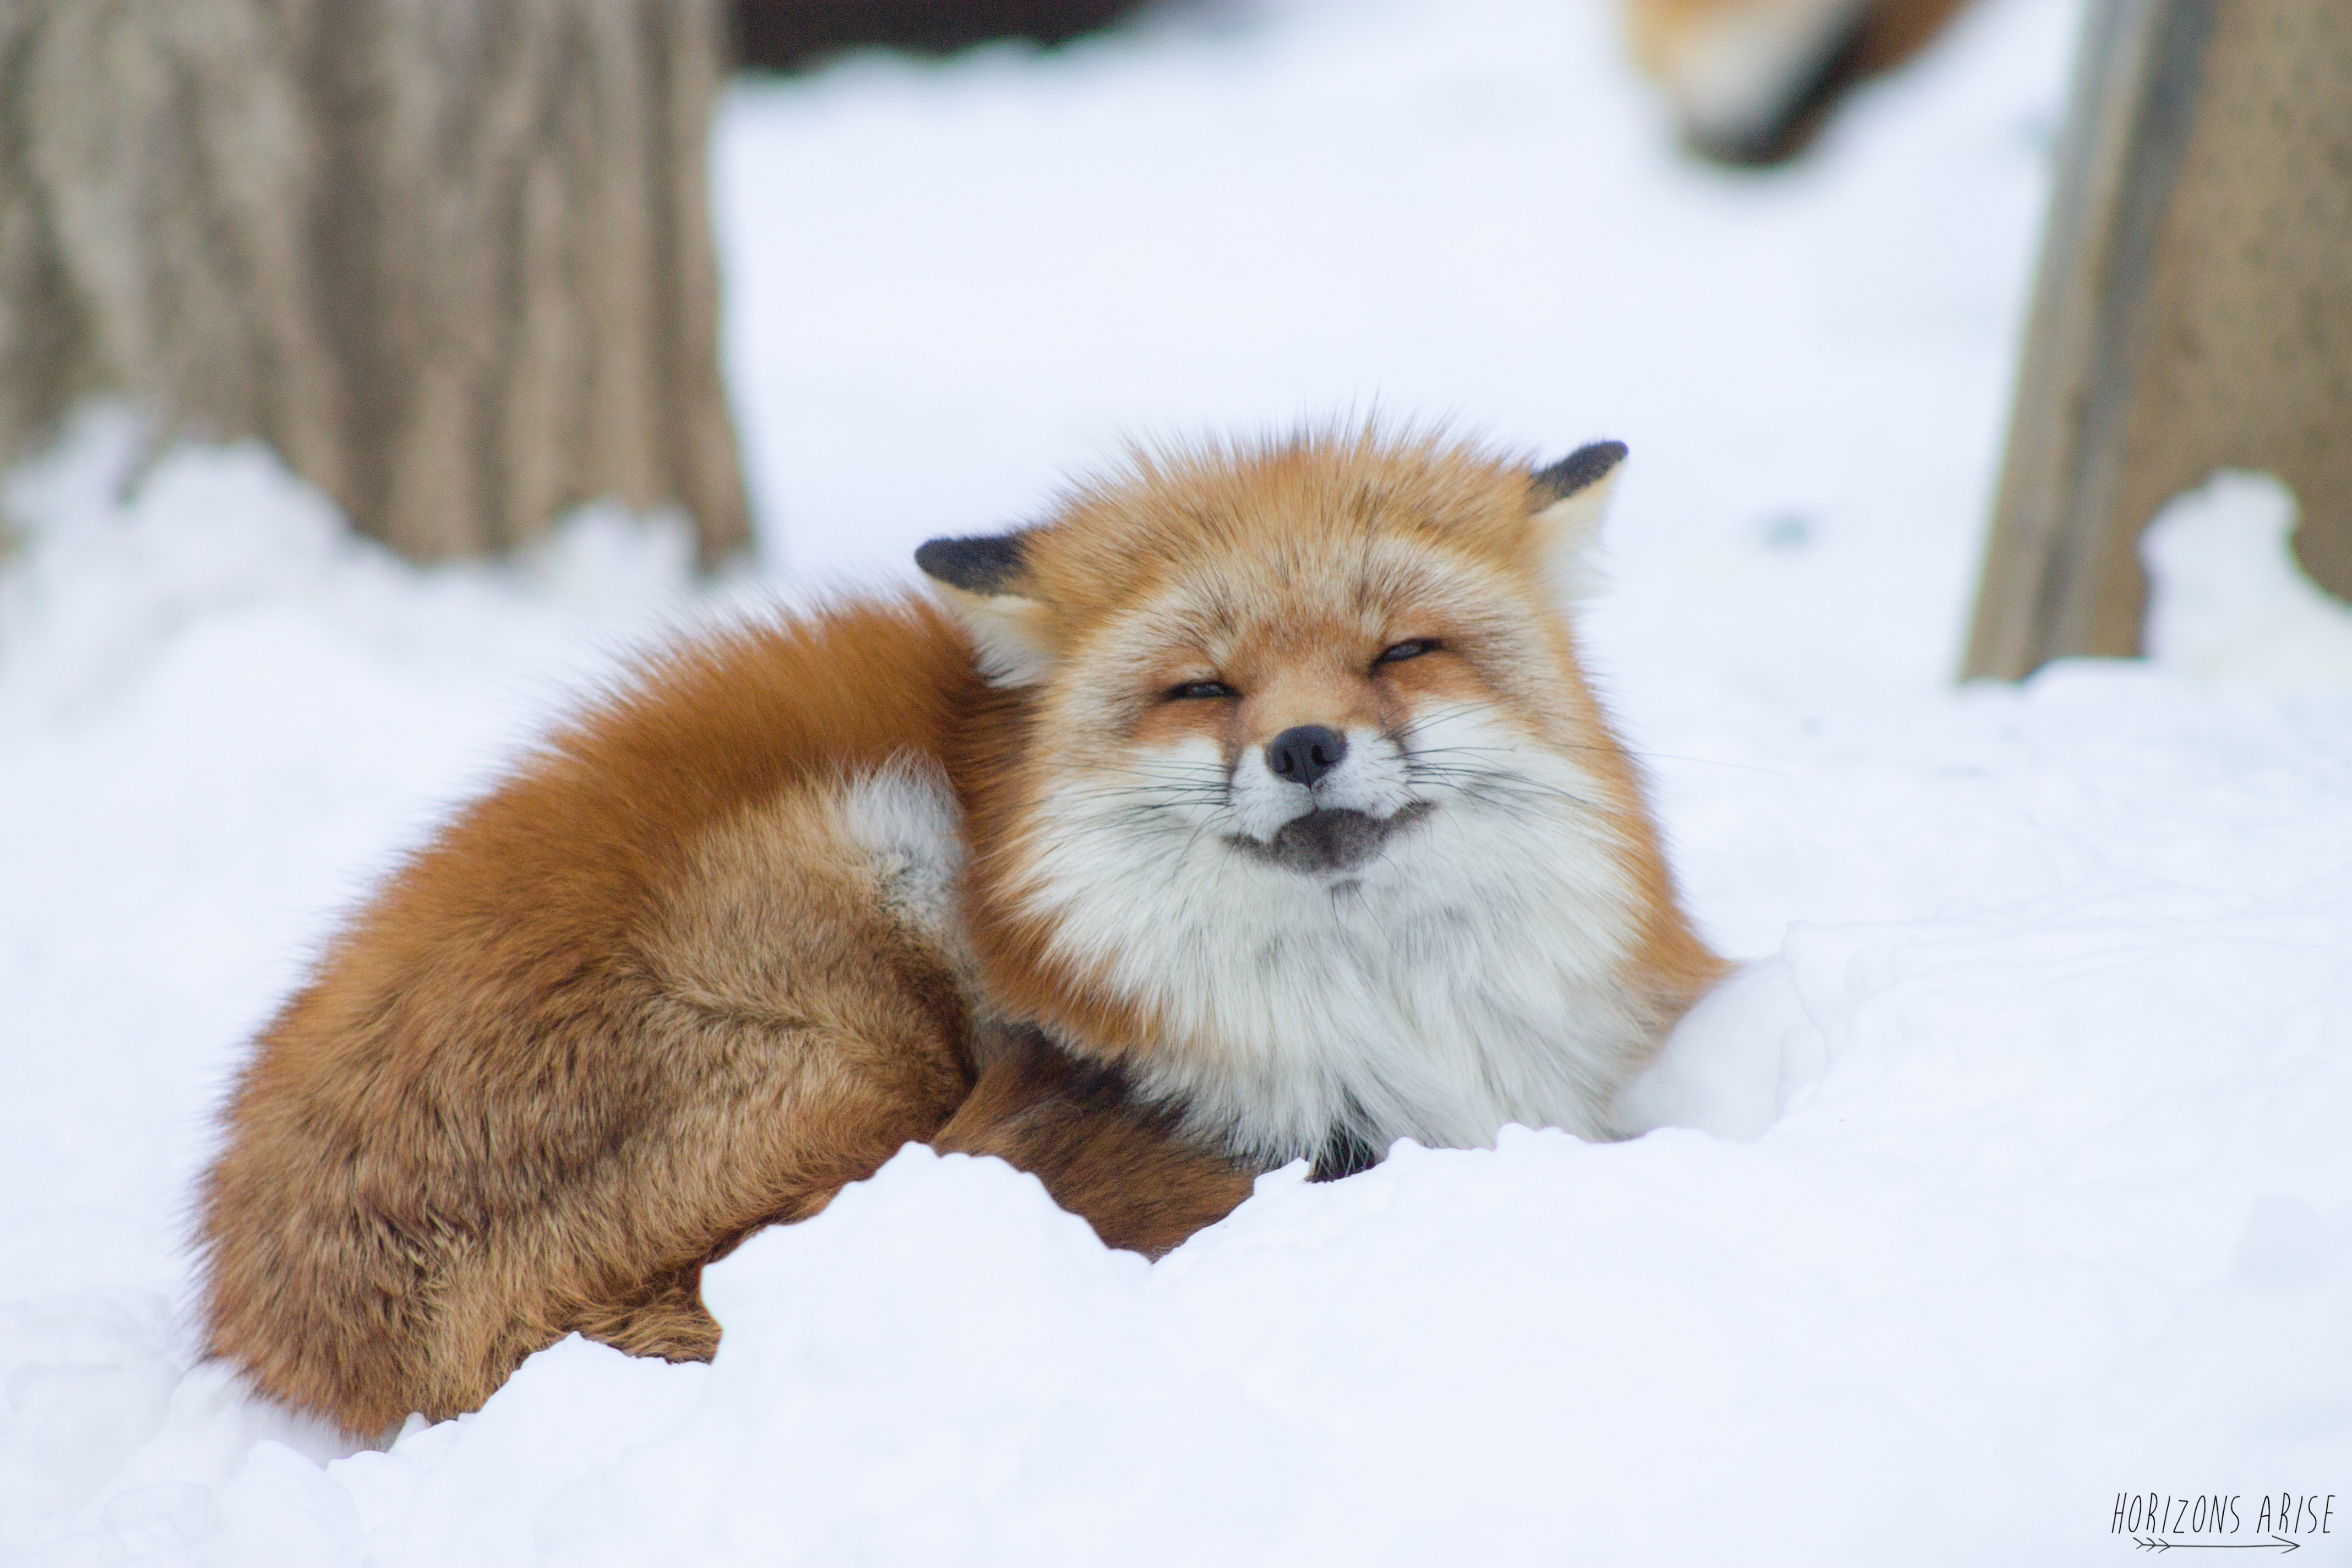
{"points": [[453, 260], [2193, 311]]}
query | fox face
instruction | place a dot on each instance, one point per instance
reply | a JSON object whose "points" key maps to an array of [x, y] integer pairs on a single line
{"points": [[1313, 824]]}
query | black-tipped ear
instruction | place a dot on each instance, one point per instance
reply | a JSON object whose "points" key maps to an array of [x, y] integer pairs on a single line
{"points": [[1581, 470], [1571, 499], [980, 580], [988, 567]]}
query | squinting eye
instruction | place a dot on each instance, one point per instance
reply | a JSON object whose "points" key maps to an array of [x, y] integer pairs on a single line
{"points": [[1198, 689], [1399, 652]]}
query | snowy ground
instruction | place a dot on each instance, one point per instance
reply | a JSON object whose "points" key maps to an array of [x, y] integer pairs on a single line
{"points": [[2009, 1179]]}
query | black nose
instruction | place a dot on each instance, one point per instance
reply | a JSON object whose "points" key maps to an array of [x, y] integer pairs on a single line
{"points": [[1304, 752]]}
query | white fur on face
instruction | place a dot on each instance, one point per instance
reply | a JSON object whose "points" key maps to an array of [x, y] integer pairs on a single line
{"points": [[1466, 975]]}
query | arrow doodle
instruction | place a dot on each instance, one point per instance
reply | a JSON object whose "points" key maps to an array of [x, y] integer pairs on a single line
{"points": [[2158, 1543]]}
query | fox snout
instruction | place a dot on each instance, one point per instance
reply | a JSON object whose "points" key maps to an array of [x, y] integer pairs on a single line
{"points": [[1304, 752], [1318, 797]]}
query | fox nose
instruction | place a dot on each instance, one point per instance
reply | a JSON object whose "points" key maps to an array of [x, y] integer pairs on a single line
{"points": [[1304, 752]]}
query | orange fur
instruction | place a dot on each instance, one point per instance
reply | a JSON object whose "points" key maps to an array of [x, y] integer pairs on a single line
{"points": [[632, 1005]]}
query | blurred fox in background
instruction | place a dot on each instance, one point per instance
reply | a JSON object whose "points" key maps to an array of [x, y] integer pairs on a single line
{"points": [[1752, 81]]}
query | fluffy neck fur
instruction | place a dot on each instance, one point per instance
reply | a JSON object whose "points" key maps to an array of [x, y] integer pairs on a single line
{"points": [[1511, 955], [1469, 976]]}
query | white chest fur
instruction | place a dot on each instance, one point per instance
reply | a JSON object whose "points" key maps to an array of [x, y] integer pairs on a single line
{"points": [[1470, 974]]}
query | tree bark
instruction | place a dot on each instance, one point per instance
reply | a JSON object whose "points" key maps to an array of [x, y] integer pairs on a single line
{"points": [[452, 261], [2193, 312]]}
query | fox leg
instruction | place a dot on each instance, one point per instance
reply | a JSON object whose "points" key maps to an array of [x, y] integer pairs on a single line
{"points": [[1116, 1163], [668, 1321]]}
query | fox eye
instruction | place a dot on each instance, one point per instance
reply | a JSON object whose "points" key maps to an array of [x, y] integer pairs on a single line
{"points": [[1193, 690], [1397, 653]]}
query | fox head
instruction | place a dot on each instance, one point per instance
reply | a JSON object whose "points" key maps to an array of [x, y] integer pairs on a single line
{"points": [[1302, 776]]}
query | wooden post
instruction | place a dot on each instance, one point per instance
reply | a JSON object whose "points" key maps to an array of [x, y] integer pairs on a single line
{"points": [[2193, 311], [453, 260]]}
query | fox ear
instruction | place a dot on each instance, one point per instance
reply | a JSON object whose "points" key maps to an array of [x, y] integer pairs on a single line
{"points": [[981, 581], [1571, 496]]}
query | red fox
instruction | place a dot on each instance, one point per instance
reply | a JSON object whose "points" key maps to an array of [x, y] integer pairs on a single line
{"points": [[1254, 808], [1750, 80]]}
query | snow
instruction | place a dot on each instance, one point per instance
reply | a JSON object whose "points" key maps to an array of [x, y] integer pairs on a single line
{"points": [[2006, 1178]]}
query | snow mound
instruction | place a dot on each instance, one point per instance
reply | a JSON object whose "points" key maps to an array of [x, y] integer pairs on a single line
{"points": [[2231, 601], [2025, 1161]]}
